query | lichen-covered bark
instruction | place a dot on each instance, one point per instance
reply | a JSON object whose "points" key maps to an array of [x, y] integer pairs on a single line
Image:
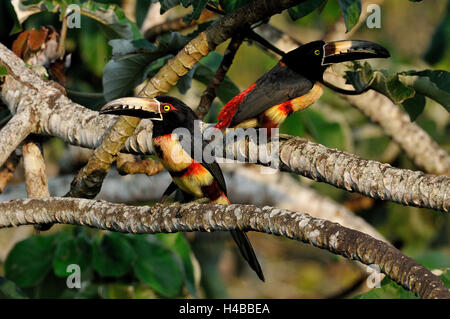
{"points": [[370, 178], [245, 186], [89, 180], [14, 132], [206, 217], [396, 123], [35, 173]]}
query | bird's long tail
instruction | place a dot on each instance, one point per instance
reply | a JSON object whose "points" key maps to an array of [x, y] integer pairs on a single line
{"points": [[246, 249]]}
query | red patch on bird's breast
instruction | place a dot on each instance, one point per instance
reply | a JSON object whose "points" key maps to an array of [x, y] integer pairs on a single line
{"points": [[194, 169], [227, 113]]}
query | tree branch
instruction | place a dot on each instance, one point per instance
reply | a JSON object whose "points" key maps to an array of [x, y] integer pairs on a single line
{"points": [[207, 217]]}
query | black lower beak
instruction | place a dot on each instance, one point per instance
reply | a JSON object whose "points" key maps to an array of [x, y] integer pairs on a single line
{"points": [[351, 50]]}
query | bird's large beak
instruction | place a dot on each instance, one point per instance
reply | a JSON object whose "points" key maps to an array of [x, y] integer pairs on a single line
{"points": [[351, 50], [141, 107]]}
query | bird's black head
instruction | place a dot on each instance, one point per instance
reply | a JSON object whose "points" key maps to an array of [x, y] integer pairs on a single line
{"points": [[166, 112], [312, 59]]}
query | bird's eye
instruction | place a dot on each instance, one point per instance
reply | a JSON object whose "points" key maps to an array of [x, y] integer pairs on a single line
{"points": [[317, 52], [166, 108]]}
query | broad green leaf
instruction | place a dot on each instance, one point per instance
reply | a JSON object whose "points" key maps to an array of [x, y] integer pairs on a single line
{"points": [[72, 250], [206, 70], [351, 9], [397, 90], [142, 7], [9, 289], [157, 268], [30, 260], [90, 38], [113, 256], [445, 277], [134, 60], [434, 84], [304, 8], [231, 5], [185, 82], [323, 131], [414, 106], [168, 4], [440, 41], [3, 70], [388, 290], [293, 125], [198, 7], [179, 245], [434, 259], [121, 77]]}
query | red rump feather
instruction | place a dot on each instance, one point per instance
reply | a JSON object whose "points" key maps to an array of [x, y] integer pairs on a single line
{"points": [[226, 114]]}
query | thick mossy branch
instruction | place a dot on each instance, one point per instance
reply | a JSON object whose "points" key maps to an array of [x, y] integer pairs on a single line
{"points": [[206, 217]]}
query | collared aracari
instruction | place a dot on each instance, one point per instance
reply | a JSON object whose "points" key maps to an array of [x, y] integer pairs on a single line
{"points": [[196, 179], [293, 84]]}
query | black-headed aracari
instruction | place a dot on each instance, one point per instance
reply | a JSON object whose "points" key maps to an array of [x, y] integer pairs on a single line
{"points": [[196, 179], [293, 84]]}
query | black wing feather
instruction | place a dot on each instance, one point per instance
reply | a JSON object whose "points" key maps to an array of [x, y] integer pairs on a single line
{"points": [[279, 85]]}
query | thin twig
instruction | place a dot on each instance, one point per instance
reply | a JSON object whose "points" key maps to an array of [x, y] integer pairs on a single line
{"points": [[210, 92], [128, 164]]}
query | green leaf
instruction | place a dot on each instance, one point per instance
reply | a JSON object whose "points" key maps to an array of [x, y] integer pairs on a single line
{"points": [[445, 277], [434, 259], [30, 260], [3, 70], [198, 7], [134, 60], [414, 106], [168, 4], [113, 256], [10, 290], [303, 9], [351, 9], [440, 41], [388, 290], [398, 91], [72, 250], [323, 131], [293, 125], [178, 244], [434, 84], [229, 6], [206, 70], [90, 38], [157, 268]]}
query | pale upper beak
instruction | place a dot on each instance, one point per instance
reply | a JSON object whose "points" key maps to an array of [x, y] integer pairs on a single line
{"points": [[351, 50], [141, 107]]}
